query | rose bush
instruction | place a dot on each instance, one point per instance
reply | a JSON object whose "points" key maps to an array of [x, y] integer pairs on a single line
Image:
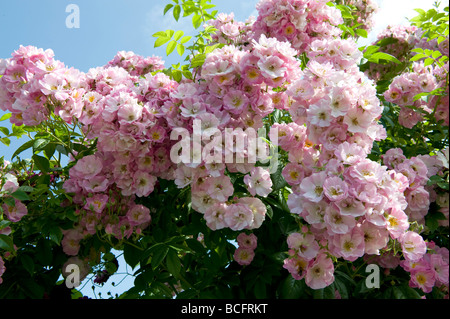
{"points": [[334, 162]]}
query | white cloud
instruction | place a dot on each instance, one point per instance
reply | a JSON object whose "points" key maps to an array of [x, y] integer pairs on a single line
{"points": [[394, 13]]}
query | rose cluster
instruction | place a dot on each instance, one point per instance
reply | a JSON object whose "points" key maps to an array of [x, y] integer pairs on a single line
{"points": [[136, 65], [245, 252], [234, 92], [13, 209], [418, 170], [230, 31], [123, 110], [335, 100], [297, 21], [406, 86], [34, 84]]}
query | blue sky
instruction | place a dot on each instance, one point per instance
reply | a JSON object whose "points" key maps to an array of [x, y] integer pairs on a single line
{"points": [[106, 27], [109, 26]]}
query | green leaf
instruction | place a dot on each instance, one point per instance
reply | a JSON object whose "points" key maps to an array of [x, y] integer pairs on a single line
{"points": [[342, 289], [5, 117], [111, 267], [417, 50], [198, 60], [418, 57], [436, 54], [167, 8], [160, 34], [185, 39], [431, 222], [345, 11], [196, 21], [20, 195], [27, 263], [187, 294], [173, 263], [159, 254], [33, 290], [428, 61], [170, 47], [44, 252], [292, 289], [56, 234], [177, 35], [4, 130], [62, 149], [6, 243], [180, 49], [387, 41], [161, 41], [269, 211], [40, 144], [132, 255], [176, 12], [420, 11], [211, 48], [177, 75], [260, 290], [42, 163], [361, 33], [376, 57], [278, 180], [169, 33], [49, 150], [23, 147], [196, 246], [109, 256], [443, 185], [5, 141]]}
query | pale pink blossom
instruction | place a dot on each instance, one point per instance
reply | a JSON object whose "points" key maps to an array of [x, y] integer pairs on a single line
{"points": [[304, 245], [244, 256], [293, 173], [320, 272], [258, 209], [97, 202], [87, 167], [423, 279], [375, 238], [296, 266], [248, 241], [238, 216], [335, 189], [138, 215], [219, 188], [440, 267], [350, 245], [259, 182], [144, 183], [71, 242], [16, 212], [311, 187], [396, 222], [337, 223], [215, 216], [413, 246]]}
